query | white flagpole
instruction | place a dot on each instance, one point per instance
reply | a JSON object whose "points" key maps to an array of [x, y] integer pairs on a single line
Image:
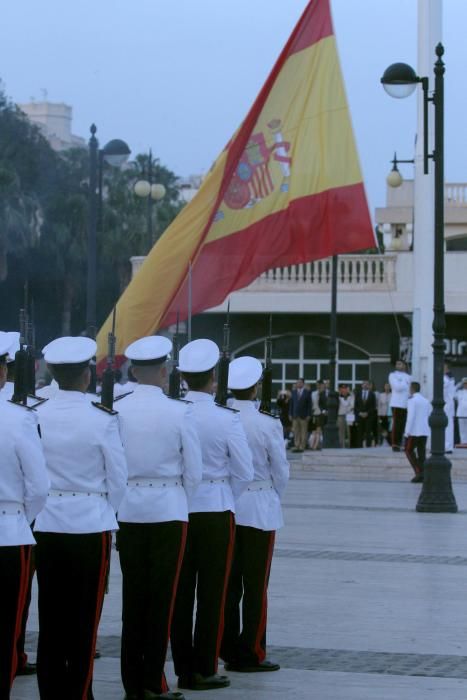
{"points": [[189, 301]]}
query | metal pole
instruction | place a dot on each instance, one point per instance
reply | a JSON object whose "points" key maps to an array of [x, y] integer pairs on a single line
{"points": [[189, 302], [92, 238], [150, 203], [437, 495], [330, 430]]}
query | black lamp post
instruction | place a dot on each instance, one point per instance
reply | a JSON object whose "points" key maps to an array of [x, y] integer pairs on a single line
{"points": [[331, 430], [400, 80], [114, 153]]}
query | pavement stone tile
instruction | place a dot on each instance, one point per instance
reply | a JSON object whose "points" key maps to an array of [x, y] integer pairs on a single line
{"points": [[367, 600]]}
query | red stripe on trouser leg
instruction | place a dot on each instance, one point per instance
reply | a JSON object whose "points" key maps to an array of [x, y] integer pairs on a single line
{"points": [[106, 543], [25, 553], [259, 650], [220, 630], [164, 684]]}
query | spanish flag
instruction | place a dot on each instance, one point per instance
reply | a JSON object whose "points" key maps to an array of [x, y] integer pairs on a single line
{"points": [[286, 189]]}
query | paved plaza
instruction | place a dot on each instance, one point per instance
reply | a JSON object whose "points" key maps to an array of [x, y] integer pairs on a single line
{"points": [[368, 598]]}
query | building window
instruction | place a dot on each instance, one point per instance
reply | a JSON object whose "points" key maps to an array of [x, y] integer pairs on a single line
{"points": [[306, 356]]}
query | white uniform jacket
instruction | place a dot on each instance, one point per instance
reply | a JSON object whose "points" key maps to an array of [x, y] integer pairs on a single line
{"points": [[84, 455], [227, 462], [49, 391], [260, 505], [400, 386], [418, 413], [7, 392], [160, 442], [24, 481]]}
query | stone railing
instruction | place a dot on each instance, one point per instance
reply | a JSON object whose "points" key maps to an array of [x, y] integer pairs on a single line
{"points": [[355, 273], [455, 194]]}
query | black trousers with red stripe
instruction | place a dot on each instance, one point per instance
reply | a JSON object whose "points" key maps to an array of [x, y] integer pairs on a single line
{"points": [[150, 558], [14, 578], [399, 417], [248, 586], [205, 571], [71, 575], [415, 450]]}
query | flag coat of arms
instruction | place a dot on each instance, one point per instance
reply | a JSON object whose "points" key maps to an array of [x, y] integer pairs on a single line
{"points": [[286, 189]]}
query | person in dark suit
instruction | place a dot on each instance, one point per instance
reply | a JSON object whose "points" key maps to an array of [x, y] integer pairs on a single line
{"points": [[365, 411], [300, 412]]}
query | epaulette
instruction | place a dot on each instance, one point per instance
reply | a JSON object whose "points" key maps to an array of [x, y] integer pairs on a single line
{"points": [[228, 408], [266, 413], [122, 396], [177, 398], [22, 405], [101, 406]]}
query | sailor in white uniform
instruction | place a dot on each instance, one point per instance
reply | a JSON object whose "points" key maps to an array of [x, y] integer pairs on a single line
{"points": [[23, 492], [7, 391], [449, 393], [227, 472], [399, 381], [164, 467], [417, 429], [88, 473], [258, 514]]}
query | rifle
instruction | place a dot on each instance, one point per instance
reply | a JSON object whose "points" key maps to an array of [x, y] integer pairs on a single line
{"points": [[266, 388], [21, 388], [223, 371], [31, 352], [108, 376], [174, 378]]}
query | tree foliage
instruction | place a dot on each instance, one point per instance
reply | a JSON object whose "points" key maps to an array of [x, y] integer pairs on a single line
{"points": [[44, 226]]}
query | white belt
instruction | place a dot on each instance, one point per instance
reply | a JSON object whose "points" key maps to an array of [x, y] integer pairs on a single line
{"points": [[66, 494], [260, 485], [11, 508], [216, 481], [157, 482]]}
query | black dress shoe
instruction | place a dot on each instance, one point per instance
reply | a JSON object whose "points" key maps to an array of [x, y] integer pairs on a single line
{"points": [[27, 670], [395, 448], [261, 667], [198, 682], [418, 478], [97, 653]]}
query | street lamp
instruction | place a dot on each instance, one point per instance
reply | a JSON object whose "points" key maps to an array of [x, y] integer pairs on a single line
{"points": [[154, 192], [394, 178], [400, 80], [114, 153]]}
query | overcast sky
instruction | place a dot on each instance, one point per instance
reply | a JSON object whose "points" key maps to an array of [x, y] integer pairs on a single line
{"points": [[179, 75]]}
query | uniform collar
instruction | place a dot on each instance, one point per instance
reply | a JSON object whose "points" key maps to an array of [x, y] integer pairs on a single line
{"points": [[244, 405], [198, 396], [69, 394], [147, 389]]}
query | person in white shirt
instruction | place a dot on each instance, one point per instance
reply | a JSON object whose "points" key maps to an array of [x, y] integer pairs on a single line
{"points": [[461, 412], [164, 466], [258, 515], [399, 381], [344, 414], [449, 393], [6, 392], [23, 492], [88, 474], [227, 473], [417, 429]]}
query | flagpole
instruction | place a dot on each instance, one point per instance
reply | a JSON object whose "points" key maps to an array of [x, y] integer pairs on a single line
{"points": [[330, 430], [189, 302]]}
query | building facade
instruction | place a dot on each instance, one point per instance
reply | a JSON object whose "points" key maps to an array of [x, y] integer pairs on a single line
{"points": [[54, 120]]}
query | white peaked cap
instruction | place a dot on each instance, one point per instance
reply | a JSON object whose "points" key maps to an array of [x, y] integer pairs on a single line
{"points": [[244, 372], [14, 345], [69, 350], [5, 343], [198, 356], [153, 347]]}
